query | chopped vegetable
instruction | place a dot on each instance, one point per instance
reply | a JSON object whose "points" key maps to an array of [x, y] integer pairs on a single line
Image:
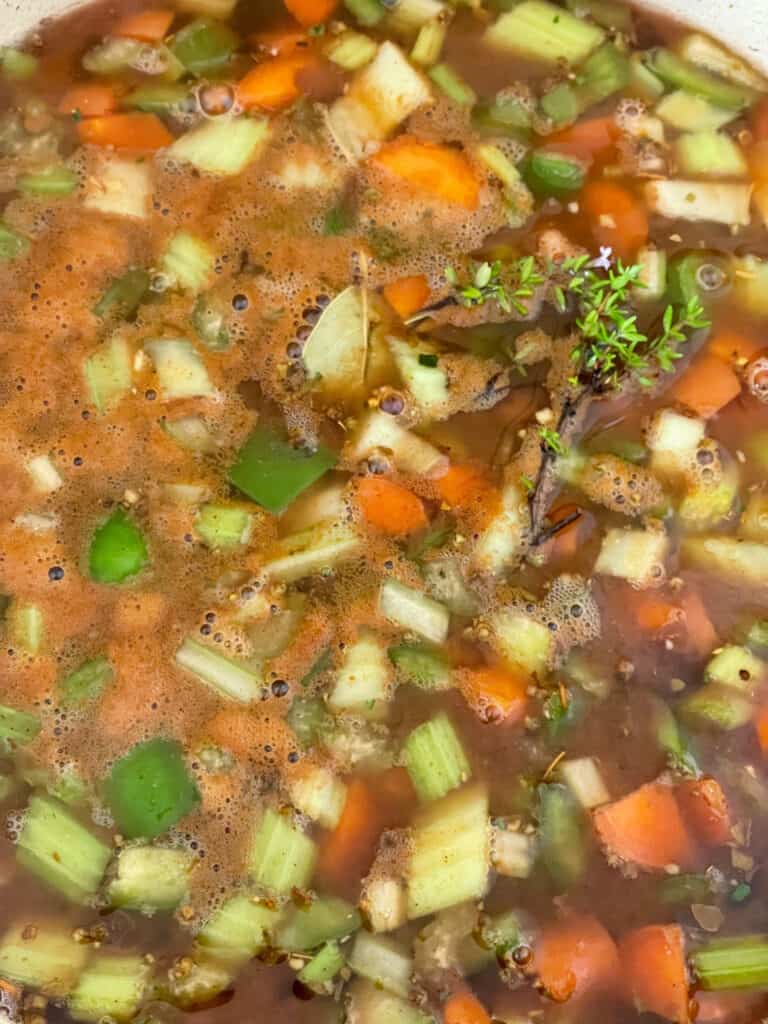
{"points": [[118, 550], [149, 789]]}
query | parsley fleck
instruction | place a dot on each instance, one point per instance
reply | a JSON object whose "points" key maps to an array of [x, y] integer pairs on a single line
{"points": [[551, 441]]}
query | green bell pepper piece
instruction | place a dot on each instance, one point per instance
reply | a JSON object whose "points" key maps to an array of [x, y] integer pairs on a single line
{"points": [[118, 550], [149, 789]]}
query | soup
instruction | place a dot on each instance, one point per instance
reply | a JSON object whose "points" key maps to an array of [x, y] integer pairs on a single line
{"points": [[384, 546]]}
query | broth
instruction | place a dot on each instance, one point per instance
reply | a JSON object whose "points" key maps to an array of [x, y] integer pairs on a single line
{"points": [[383, 556]]}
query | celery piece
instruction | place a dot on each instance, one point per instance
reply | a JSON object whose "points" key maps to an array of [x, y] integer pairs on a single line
{"points": [[181, 372], [450, 856], [209, 318], [26, 627], [199, 984], [372, 1005], [281, 856], [54, 846], [52, 181], [604, 73], [549, 174], [157, 97], [351, 50], [111, 987], [429, 42], [272, 472], [406, 17], [737, 667], [44, 957], [223, 526], [410, 609], [317, 550], [522, 640], [717, 707], [362, 683], [12, 244], [617, 16], [541, 31], [117, 550], [108, 373], [323, 967], [501, 933], [422, 665], [204, 46], [188, 261], [735, 963], [150, 878], [306, 927], [307, 716], [672, 740], [682, 890], [561, 105], [113, 56], [17, 65], [367, 12], [697, 274], [17, 729], [681, 75], [452, 85], [688, 113], [319, 794], [124, 295], [149, 789], [238, 930], [504, 116], [652, 280], [435, 758], [226, 676], [705, 52], [87, 682], [383, 961], [561, 826], [643, 83], [710, 155], [223, 146], [758, 634]]}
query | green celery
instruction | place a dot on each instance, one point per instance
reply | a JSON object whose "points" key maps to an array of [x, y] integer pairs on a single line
{"points": [[124, 295], [223, 146], [323, 967], [372, 1005], [17, 65], [643, 83], [545, 32], [550, 174], [227, 677], [698, 274], [561, 824], [607, 13], [681, 75], [453, 85], [281, 856], [435, 758], [188, 261], [26, 626], [209, 318], [367, 12], [238, 931], [110, 988], [157, 97], [429, 42], [758, 634], [17, 728], [87, 682], [149, 789], [505, 115], [47, 959], [422, 665], [710, 154], [717, 707], [54, 846], [351, 50], [150, 878], [53, 181], [604, 73], [12, 244], [307, 716], [272, 472], [561, 105], [109, 373], [683, 890], [181, 372], [736, 963], [223, 526], [323, 920], [205, 46], [384, 961], [117, 550]]}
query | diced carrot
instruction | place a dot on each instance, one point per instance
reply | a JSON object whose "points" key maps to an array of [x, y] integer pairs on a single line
{"points": [[150, 26], [575, 958], [761, 728], [705, 808], [272, 85], [653, 962], [495, 694], [465, 485], [700, 636], [733, 347], [586, 140], [706, 386], [645, 828], [758, 160], [125, 131], [652, 613], [311, 12], [279, 42], [347, 852], [617, 218], [465, 1008], [759, 118], [438, 171], [407, 295], [390, 507], [92, 100]]}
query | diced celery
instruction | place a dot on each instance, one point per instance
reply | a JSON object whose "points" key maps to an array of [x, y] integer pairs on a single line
{"points": [[541, 31], [307, 716], [429, 42], [414, 611], [351, 50], [87, 682], [710, 155], [717, 707], [157, 97], [54, 846], [150, 878], [317, 550], [281, 856], [149, 789], [740, 560], [223, 146], [737, 667], [681, 75], [17, 65], [422, 665], [180, 370], [199, 983], [238, 930], [44, 957], [738, 963], [12, 244], [421, 372], [652, 280], [120, 187], [113, 55], [435, 758], [643, 83], [204, 46], [110, 987], [336, 351], [272, 472], [582, 776], [686, 889], [506, 116], [522, 640], [319, 794], [17, 728], [26, 626], [117, 550], [406, 17], [499, 164], [383, 961], [604, 73], [223, 526], [452, 85], [367, 12], [607, 13], [450, 852], [638, 556], [549, 174], [52, 181], [371, 1005], [364, 681], [188, 261], [512, 853], [562, 839], [561, 105], [323, 920], [706, 53], [708, 504], [673, 440], [323, 967], [226, 676], [124, 295], [689, 113]]}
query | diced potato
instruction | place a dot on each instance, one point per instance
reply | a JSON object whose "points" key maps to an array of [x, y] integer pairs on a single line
{"points": [[119, 186], [742, 561], [385, 904], [637, 556], [714, 202], [521, 640]]}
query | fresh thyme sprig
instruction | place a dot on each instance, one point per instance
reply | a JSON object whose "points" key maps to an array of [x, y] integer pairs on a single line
{"points": [[507, 284], [552, 441]]}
